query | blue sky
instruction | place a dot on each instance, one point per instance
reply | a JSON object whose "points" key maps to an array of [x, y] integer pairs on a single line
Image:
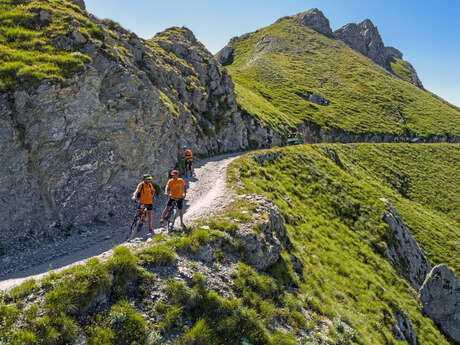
{"points": [[427, 32]]}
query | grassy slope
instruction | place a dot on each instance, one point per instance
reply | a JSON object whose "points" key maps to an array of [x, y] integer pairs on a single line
{"points": [[401, 68], [26, 52], [334, 219], [363, 97]]}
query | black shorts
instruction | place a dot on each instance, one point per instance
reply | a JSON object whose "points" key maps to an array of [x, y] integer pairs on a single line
{"points": [[188, 163], [179, 203], [148, 206]]}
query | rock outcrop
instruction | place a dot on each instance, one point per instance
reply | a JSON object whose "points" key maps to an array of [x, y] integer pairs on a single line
{"points": [[225, 56], [440, 297], [402, 329], [79, 3], [438, 288], [261, 240], [365, 39], [73, 152], [315, 20], [403, 252]]}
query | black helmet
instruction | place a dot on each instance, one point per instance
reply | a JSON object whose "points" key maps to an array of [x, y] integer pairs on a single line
{"points": [[147, 176]]}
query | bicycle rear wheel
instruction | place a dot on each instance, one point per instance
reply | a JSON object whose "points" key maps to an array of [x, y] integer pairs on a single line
{"points": [[133, 227], [171, 218]]}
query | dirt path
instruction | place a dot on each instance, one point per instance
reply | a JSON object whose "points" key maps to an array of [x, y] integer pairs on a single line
{"points": [[206, 194]]}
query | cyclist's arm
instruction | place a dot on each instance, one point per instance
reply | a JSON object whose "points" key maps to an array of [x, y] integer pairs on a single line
{"points": [[135, 193], [166, 189], [185, 191]]}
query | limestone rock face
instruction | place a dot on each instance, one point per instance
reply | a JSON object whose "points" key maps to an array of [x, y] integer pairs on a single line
{"points": [[403, 252], [365, 38], [79, 3], [225, 56], [73, 153], [315, 20], [402, 329], [440, 297], [262, 241]]}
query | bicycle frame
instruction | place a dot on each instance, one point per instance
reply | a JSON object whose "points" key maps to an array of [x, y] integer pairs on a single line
{"points": [[172, 211], [138, 221]]}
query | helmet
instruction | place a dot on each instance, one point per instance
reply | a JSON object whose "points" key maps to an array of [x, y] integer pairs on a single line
{"points": [[184, 148], [147, 177], [174, 173]]}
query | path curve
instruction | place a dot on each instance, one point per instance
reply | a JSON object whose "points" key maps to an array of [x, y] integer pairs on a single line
{"points": [[205, 195]]}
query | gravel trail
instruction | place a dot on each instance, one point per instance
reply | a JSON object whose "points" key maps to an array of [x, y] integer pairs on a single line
{"points": [[205, 195]]}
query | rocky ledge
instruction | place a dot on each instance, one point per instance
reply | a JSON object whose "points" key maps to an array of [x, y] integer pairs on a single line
{"points": [[438, 288]]}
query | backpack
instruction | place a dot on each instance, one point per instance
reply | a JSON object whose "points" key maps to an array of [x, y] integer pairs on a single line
{"points": [[138, 195]]}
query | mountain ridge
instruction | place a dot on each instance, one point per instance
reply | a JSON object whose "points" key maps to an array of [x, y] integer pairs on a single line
{"points": [[278, 70]]}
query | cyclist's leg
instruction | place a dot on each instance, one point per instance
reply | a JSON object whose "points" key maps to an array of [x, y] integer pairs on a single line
{"points": [[180, 204], [166, 210], [149, 215]]}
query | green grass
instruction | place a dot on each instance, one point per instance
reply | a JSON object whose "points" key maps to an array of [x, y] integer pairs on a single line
{"points": [[27, 55], [156, 256], [402, 69], [333, 217], [273, 81]]}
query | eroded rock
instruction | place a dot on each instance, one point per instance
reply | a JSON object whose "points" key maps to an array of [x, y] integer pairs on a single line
{"points": [[403, 253], [402, 329], [440, 297], [315, 20], [261, 240]]}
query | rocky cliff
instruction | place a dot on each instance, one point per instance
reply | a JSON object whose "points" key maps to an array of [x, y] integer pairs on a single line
{"points": [[365, 38], [74, 147]]}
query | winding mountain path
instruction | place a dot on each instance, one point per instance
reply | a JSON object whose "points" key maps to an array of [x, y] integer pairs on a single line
{"points": [[205, 195]]}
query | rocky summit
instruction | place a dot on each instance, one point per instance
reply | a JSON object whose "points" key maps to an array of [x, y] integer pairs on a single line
{"points": [[365, 38]]}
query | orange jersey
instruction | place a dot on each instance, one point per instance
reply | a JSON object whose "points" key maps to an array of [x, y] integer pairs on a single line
{"points": [[146, 193], [189, 155], [176, 187]]}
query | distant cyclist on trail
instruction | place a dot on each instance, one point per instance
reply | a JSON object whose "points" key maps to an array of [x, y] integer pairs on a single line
{"points": [[144, 193], [269, 141], [188, 158], [176, 190]]}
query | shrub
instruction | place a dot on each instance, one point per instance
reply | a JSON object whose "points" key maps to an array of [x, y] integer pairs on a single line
{"points": [[77, 289], [127, 325], [200, 334], [157, 256], [123, 267]]}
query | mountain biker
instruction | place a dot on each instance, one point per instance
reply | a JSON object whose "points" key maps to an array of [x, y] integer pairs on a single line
{"points": [[177, 192], [269, 141], [188, 158], [144, 193]]}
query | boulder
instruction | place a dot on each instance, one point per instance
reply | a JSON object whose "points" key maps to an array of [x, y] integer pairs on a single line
{"points": [[315, 20], [45, 16], [318, 99], [440, 297], [261, 239], [78, 37], [403, 253]]}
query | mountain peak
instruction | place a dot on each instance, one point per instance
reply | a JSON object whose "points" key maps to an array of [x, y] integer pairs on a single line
{"points": [[316, 20], [79, 3], [365, 39]]}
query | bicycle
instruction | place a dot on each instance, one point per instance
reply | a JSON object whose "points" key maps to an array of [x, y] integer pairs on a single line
{"points": [[138, 221], [171, 216], [188, 169]]}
